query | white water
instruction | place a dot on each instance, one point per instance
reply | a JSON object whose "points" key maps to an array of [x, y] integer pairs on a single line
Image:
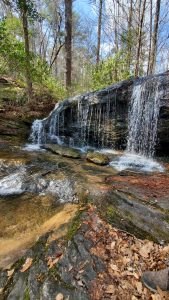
{"points": [[136, 162], [142, 129], [32, 147], [12, 184], [63, 189], [38, 132], [108, 151], [143, 118]]}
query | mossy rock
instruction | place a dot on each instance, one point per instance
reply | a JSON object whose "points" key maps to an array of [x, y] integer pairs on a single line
{"points": [[63, 151], [98, 158]]}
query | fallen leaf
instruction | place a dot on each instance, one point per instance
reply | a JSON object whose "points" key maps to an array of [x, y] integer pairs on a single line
{"points": [[110, 289], [113, 245], [146, 249], [10, 272], [114, 267], [80, 283], [139, 287], [166, 249], [59, 297], [51, 262], [134, 298], [27, 264], [163, 295], [131, 274], [156, 297]]}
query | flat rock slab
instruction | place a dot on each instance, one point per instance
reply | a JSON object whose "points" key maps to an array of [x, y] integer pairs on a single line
{"points": [[63, 151], [151, 189]]}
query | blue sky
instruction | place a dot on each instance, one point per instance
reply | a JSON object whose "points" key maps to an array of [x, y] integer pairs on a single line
{"points": [[83, 7]]}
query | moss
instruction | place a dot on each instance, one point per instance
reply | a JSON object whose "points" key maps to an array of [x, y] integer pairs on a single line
{"points": [[10, 95], [166, 219], [111, 213], [84, 198], [128, 215], [39, 248], [74, 226], [18, 264], [26, 295], [97, 158], [54, 274]]}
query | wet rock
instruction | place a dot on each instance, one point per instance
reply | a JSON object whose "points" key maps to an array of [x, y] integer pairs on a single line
{"points": [[63, 151], [70, 276], [13, 128], [19, 290], [98, 158]]}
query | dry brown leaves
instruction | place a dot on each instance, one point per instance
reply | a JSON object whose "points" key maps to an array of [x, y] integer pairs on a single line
{"points": [[52, 261], [27, 264], [126, 258], [10, 272]]}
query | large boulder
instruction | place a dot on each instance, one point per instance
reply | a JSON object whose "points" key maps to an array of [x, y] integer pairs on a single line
{"points": [[98, 158]]}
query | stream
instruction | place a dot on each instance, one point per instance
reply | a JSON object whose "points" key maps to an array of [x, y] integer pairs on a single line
{"points": [[43, 180], [39, 190]]}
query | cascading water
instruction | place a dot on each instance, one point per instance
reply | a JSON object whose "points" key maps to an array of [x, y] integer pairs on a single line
{"points": [[143, 118], [81, 123], [37, 132], [99, 120], [142, 128]]}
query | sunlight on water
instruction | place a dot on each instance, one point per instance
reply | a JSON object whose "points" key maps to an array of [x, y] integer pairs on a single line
{"points": [[136, 162]]}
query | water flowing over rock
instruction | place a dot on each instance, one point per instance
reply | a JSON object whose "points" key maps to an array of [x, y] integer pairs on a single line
{"points": [[132, 114], [143, 117]]}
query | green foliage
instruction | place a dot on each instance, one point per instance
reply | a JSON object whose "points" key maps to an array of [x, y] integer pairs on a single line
{"points": [[110, 70], [26, 6], [55, 88], [12, 63], [12, 53]]}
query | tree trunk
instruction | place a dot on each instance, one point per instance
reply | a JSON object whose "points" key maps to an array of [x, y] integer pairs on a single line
{"points": [[129, 35], [99, 31], [116, 20], [68, 41], [140, 39], [155, 38], [150, 42], [24, 13]]}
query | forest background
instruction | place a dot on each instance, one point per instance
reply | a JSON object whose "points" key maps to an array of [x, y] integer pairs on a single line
{"points": [[60, 48]]}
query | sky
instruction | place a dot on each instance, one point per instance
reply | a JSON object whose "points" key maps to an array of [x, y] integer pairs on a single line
{"points": [[84, 7]]}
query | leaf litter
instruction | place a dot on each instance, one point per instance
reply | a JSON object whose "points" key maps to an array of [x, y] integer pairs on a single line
{"points": [[126, 258]]}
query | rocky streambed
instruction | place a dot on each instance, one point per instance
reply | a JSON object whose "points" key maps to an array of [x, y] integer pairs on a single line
{"points": [[43, 197]]}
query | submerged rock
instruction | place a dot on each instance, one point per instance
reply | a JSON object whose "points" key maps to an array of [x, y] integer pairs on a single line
{"points": [[98, 158], [63, 151]]}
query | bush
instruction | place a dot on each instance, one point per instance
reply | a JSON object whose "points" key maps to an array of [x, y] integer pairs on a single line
{"points": [[110, 70]]}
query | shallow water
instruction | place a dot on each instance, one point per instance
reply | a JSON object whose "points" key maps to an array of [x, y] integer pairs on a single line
{"points": [[33, 189]]}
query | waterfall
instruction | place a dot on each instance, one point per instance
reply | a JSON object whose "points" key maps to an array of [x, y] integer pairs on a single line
{"points": [[143, 118], [37, 132], [77, 124], [99, 119]]}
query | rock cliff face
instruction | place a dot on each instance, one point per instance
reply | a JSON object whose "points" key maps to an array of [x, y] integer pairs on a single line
{"points": [[100, 119]]}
